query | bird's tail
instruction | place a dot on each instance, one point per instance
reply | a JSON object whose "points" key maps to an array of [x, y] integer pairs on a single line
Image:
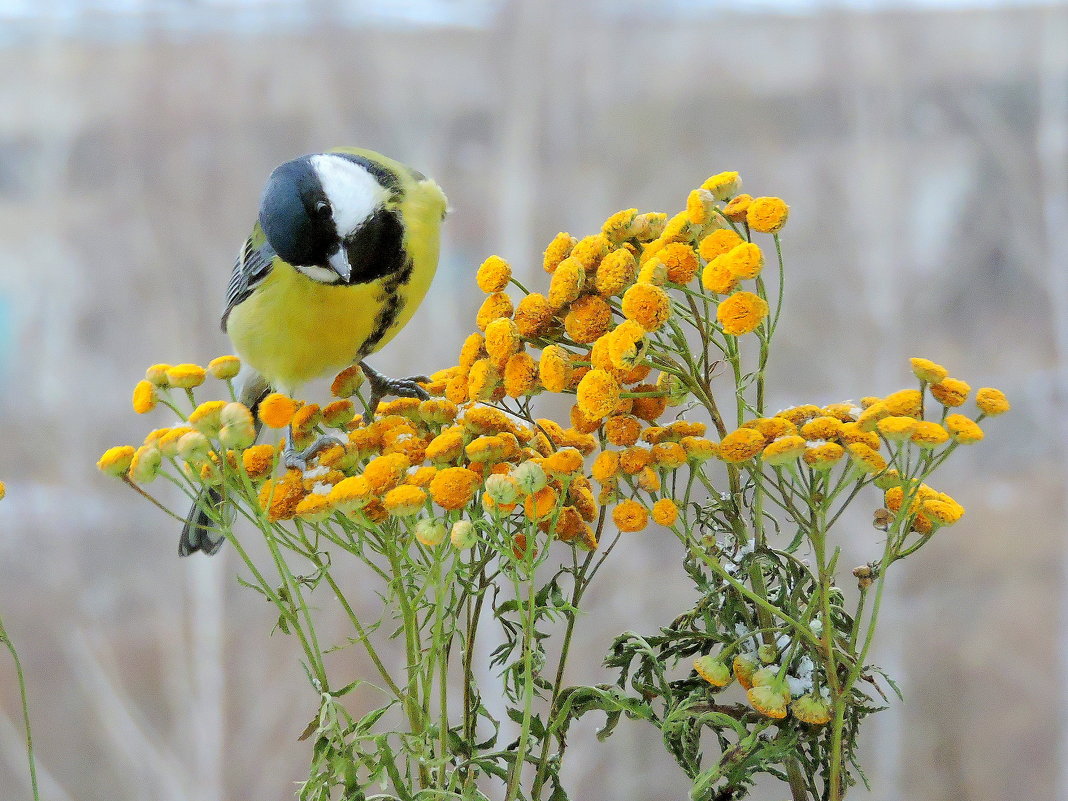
{"points": [[200, 532]]}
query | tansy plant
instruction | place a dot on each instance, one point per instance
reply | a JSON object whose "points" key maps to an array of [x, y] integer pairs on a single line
{"points": [[478, 520]]}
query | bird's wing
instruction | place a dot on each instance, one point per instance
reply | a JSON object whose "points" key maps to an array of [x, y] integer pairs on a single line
{"points": [[252, 266]]}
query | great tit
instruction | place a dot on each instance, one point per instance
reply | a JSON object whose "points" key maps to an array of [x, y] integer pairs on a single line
{"points": [[343, 252]]}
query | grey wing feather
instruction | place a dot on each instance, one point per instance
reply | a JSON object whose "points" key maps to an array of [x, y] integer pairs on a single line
{"points": [[252, 266]]}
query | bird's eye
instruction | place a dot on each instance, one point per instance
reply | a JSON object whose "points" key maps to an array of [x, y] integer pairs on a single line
{"points": [[322, 209]]}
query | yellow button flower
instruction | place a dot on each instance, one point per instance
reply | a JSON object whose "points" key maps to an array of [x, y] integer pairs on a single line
{"points": [[699, 206], [744, 261], [717, 243], [616, 272], [784, 450], [926, 370], [963, 429], [533, 315], [186, 376], [713, 670], [681, 262], [649, 402], [769, 700], [258, 460], [502, 341], [951, 391], [588, 319], [665, 512], [723, 185], [598, 394], [589, 251], [626, 345], [554, 368], [618, 227], [277, 410], [520, 375], [347, 382], [116, 461], [929, 434], [567, 283], [493, 275], [630, 516], [905, 402], [157, 375], [541, 504], [648, 305], [350, 494], [622, 430], [653, 272], [494, 307], [404, 501], [825, 456], [740, 445], [717, 279], [225, 368], [866, 458], [558, 250], [992, 402], [144, 397], [741, 313], [767, 214], [473, 349], [383, 473], [897, 429], [483, 381], [454, 487], [812, 709], [563, 462], [648, 225], [822, 427], [313, 508], [738, 208]]}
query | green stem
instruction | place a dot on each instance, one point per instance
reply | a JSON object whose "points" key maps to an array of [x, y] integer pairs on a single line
{"points": [[528, 681], [25, 709]]}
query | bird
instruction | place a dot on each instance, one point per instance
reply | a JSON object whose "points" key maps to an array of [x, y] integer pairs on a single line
{"points": [[343, 251]]}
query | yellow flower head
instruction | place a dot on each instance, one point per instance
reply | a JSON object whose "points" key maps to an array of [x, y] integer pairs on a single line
{"points": [[767, 215], [622, 430], [717, 279], [822, 427], [483, 381], [589, 251], [713, 670], [383, 473], [769, 699], [520, 375], [784, 450], [723, 185], [258, 460], [554, 368], [897, 429], [454, 487], [313, 508], [929, 434], [144, 397], [681, 262], [868, 419], [852, 433], [616, 272], [473, 349], [351, 494], [493, 275], [277, 410], [494, 307], [991, 402], [347, 382], [533, 315], [648, 305], [605, 467], [195, 448], [963, 429], [799, 414], [942, 510], [926, 370], [563, 462], [558, 250], [186, 376], [649, 403], [812, 709], [741, 313], [843, 412], [825, 456], [626, 345], [540, 505], [598, 394], [486, 449], [865, 458], [157, 375], [665, 512], [670, 455], [951, 391], [502, 341], [281, 498], [740, 445], [116, 461], [618, 227], [404, 501], [717, 243], [905, 402], [580, 422], [237, 429], [635, 459], [224, 367], [744, 666], [145, 464], [207, 418], [588, 319], [339, 413], [699, 206], [567, 283], [738, 208], [677, 229], [630, 516], [744, 261], [653, 272]]}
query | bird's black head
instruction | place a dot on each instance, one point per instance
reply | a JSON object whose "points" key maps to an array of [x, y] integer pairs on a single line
{"points": [[296, 215], [326, 215]]}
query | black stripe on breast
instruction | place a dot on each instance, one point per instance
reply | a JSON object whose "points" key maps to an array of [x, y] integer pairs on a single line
{"points": [[376, 248], [392, 305]]}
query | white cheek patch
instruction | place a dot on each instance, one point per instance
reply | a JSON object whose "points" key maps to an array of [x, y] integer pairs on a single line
{"points": [[320, 274], [354, 193]]}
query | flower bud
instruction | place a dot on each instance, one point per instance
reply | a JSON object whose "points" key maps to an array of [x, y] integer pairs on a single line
{"points": [[145, 464], [463, 534], [502, 489], [430, 532], [116, 461], [811, 708], [713, 670], [194, 447], [530, 477]]}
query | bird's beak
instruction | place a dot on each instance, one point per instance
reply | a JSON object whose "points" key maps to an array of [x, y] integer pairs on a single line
{"points": [[339, 263]]}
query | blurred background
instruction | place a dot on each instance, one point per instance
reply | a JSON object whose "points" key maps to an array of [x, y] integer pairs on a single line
{"points": [[923, 147]]}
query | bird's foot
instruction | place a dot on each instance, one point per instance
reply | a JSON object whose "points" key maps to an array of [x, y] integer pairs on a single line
{"points": [[298, 460], [381, 386]]}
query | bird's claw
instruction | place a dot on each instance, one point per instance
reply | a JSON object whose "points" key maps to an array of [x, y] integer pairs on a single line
{"points": [[381, 386], [298, 460]]}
